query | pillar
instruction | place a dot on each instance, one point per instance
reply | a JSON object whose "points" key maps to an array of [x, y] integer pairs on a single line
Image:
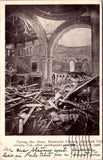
{"points": [[94, 13], [49, 75], [44, 71], [95, 41]]}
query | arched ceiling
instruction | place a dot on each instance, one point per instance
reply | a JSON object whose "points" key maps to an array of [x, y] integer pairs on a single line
{"points": [[18, 31], [59, 12], [76, 38], [61, 31], [54, 12], [49, 25]]}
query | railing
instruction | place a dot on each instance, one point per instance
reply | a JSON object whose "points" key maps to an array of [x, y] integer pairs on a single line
{"points": [[59, 78], [65, 78]]}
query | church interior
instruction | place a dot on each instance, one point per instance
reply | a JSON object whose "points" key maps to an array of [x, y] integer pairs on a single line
{"points": [[52, 69]]}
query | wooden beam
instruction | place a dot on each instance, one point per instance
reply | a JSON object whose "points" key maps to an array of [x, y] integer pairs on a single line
{"points": [[83, 86], [14, 105], [29, 86], [13, 100], [28, 115]]}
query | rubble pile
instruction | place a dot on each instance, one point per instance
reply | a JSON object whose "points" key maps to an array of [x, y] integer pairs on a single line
{"points": [[48, 111]]}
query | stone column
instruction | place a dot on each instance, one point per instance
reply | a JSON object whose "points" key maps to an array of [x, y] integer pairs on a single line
{"points": [[94, 13], [49, 74], [95, 41], [44, 65]]}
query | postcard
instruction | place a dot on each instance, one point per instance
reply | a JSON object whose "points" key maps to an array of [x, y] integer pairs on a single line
{"points": [[51, 80]]}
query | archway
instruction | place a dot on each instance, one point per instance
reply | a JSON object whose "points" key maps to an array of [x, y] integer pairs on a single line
{"points": [[58, 33]]}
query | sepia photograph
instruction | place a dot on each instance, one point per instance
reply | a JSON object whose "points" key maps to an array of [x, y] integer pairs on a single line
{"points": [[52, 59]]}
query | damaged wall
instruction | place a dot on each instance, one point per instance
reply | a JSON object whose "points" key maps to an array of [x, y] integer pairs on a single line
{"points": [[80, 56]]}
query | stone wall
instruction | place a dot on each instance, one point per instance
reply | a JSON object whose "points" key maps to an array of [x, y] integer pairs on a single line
{"points": [[80, 55]]}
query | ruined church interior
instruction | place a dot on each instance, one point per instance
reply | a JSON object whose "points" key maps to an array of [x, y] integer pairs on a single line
{"points": [[52, 69]]}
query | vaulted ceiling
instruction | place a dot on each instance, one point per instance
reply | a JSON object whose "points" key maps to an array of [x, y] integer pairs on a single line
{"points": [[19, 31]]}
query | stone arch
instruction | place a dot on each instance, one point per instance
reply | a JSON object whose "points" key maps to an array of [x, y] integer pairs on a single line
{"points": [[60, 31], [57, 34], [37, 27], [72, 58]]}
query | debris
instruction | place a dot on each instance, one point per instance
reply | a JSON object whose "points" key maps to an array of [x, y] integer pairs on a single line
{"points": [[52, 104], [48, 111]]}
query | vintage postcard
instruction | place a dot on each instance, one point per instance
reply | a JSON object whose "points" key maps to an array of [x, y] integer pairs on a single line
{"points": [[51, 80]]}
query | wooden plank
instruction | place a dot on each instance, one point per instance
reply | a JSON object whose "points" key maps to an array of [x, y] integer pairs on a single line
{"points": [[52, 104], [28, 115], [14, 105], [83, 86], [30, 95], [20, 126], [76, 105], [69, 102], [13, 100], [45, 106], [31, 105], [24, 96], [29, 86], [8, 97], [38, 94]]}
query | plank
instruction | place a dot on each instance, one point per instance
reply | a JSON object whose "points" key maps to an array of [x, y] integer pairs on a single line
{"points": [[29, 86], [13, 100], [28, 115], [14, 105], [30, 95], [83, 86], [20, 126], [52, 104]]}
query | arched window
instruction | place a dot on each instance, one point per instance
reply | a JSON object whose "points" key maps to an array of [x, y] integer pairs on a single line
{"points": [[71, 66]]}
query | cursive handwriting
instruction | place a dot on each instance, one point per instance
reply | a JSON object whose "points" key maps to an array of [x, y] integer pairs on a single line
{"points": [[50, 152]]}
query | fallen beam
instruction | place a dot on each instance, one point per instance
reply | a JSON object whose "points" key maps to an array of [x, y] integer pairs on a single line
{"points": [[29, 86], [52, 104], [30, 95], [28, 115], [13, 100], [83, 86], [14, 105]]}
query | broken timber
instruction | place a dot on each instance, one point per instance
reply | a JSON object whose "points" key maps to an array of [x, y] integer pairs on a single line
{"points": [[29, 86], [83, 86]]}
